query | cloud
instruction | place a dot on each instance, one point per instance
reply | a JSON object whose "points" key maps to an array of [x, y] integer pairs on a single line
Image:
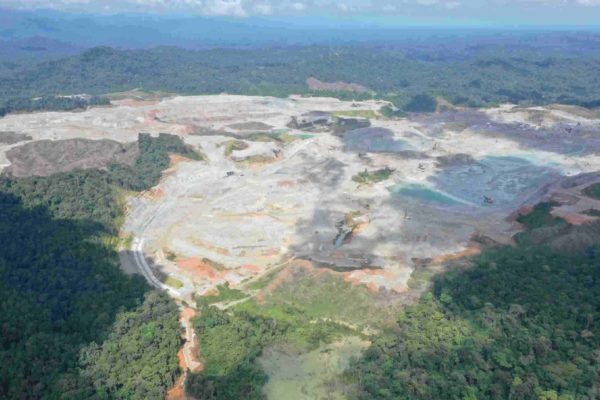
{"points": [[298, 6], [263, 9], [219, 7], [234, 8], [243, 8]]}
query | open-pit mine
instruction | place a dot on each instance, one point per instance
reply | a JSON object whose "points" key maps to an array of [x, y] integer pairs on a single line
{"points": [[317, 180]]}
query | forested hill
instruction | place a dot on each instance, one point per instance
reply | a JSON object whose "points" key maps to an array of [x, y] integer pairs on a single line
{"points": [[477, 77], [73, 325], [521, 324]]}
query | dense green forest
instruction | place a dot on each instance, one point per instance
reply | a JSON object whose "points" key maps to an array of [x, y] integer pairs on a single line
{"points": [[521, 323], [477, 78], [50, 103], [153, 159], [73, 325]]}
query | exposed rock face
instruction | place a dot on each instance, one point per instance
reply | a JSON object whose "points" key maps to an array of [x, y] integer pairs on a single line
{"points": [[8, 137], [315, 84], [47, 157]]}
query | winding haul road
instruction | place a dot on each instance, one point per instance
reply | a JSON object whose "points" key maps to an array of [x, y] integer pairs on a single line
{"points": [[190, 358], [142, 264]]}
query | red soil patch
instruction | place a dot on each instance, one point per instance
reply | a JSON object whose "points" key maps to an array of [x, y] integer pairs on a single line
{"points": [[182, 363], [211, 247], [188, 313], [287, 184], [368, 278], [199, 268], [187, 129], [572, 218], [177, 392], [174, 160], [182, 129], [150, 116], [521, 211], [468, 252]]}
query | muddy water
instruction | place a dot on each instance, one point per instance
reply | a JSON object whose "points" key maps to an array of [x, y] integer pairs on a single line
{"points": [[296, 375]]}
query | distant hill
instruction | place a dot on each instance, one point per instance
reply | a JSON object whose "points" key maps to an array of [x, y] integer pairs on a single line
{"points": [[135, 31], [486, 76], [35, 49]]}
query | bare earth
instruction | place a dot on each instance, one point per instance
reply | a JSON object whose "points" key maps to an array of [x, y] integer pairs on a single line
{"points": [[244, 212]]}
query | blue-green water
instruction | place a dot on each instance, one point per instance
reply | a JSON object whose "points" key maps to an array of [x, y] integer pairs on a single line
{"points": [[505, 180], [424, 193]]}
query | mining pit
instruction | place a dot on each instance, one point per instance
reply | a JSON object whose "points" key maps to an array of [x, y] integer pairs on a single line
{"points": [[286, 191]]}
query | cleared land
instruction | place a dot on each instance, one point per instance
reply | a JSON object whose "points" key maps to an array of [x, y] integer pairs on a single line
{"points": [[265, 196]]}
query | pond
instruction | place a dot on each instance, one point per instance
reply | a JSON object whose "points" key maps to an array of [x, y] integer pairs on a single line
{"points": [[374, 140]]}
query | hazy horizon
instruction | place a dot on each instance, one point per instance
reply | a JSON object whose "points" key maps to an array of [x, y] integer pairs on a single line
{"points": [[387, 14]]}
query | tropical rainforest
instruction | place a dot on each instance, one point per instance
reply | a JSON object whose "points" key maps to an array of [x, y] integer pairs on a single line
{"points": [[73, 325], [520, 323], [399, 74]]}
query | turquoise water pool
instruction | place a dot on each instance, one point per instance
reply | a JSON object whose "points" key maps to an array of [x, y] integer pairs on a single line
{"points": [[425, 193]]}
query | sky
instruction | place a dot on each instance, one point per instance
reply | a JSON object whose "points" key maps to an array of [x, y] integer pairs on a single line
{"points": [[436, 12]]}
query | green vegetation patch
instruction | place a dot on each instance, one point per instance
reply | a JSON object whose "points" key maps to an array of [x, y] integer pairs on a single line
{"points": [[371, 177], [234, 145], [593, 191], [50, 103], [316, 374], [592, 212], [232, 341], [174, 282], [517, 325], [324, 296], [153, 159], [264, 280], [392, 112], [421, 103], [368, 114], [225, 294], [305, 136], [255, 159], [277, 137], [306, 313], [540, 216]]}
